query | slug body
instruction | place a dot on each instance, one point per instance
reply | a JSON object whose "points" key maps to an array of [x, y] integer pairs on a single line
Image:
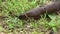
{"points": [[36, 12]]}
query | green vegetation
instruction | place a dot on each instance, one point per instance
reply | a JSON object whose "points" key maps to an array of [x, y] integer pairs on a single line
{"points": [[11, 24]]}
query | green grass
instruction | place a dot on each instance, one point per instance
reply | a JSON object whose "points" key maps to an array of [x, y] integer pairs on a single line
{"points": [[16, 7]]}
